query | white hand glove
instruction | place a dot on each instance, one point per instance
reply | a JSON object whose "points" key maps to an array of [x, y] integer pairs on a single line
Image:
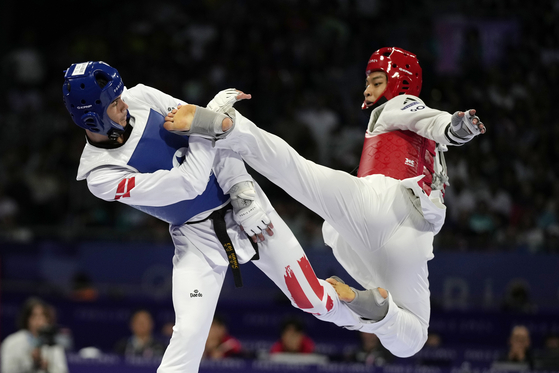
{"points": [[247, 212], [463, 128], [224, 100]]}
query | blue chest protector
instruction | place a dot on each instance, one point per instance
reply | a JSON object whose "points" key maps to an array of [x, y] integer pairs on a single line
{"points": [[155, 151]]}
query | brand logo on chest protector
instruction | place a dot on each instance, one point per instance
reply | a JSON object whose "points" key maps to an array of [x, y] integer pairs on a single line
{"points": [[179, 155], [410, 162], [196, 294]]}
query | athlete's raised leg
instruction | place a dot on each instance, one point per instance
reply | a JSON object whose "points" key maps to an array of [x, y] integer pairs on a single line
{"points": [[283, 260]]}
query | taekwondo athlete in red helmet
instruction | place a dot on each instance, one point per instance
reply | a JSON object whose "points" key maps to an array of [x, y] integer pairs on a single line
{"points": [[380, 225]]}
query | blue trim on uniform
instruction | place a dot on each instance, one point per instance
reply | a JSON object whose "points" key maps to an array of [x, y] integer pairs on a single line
{"points": [[155, 151]]}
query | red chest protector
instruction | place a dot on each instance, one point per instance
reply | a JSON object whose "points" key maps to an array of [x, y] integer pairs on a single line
{"points": [[400, 155]]}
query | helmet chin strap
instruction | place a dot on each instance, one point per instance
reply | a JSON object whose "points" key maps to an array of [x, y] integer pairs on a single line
{"points": [[114, 134], [377, 103]]}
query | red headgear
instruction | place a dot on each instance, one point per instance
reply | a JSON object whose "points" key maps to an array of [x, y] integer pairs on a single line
{"points": [[402, 69]]}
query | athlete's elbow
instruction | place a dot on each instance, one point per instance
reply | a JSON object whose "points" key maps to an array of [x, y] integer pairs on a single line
{"points": [[191, 184]]}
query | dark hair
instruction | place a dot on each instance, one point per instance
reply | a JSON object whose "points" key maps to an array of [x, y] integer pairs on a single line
{"points": [[219, 319], [27, 309], [293, 322]]}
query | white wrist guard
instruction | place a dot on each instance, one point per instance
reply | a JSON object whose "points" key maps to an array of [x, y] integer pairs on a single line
{"points": [[247, 212], [462, 129]]}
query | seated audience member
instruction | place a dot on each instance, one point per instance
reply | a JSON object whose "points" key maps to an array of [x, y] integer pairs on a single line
{"points": [[33, 348], [370, 351], [83, 289], [141, 343], [519, 355], [220, 344], [293, 338]]}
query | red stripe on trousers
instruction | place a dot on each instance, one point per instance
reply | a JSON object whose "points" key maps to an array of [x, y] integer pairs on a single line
{"points": [[311, 277], [329, 304], [297, 293]]}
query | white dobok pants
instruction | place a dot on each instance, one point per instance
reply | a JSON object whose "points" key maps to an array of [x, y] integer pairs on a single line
{"points": [[371, 223], [199, 268]]}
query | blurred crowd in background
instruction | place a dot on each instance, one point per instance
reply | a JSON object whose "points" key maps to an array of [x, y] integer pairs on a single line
{"points": [[289, 342], [303, 62]]}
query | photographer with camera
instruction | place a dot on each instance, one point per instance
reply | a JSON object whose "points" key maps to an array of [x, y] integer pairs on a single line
{"points": [[33, 348]]}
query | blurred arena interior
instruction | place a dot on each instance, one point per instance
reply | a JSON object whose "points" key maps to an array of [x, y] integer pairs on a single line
{"points": [[496, 259]]}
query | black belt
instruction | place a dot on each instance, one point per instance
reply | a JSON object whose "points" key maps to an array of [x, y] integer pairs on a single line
{"points": [[220, 228]]}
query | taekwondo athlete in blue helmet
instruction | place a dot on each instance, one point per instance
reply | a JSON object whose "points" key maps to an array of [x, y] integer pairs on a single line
{"points": [[206, 195]]}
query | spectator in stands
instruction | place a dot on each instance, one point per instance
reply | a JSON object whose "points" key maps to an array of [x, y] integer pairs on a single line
{"points": [[220, 344], [83, 289], [520, 352], [370, 352], [141, 343], [33, 348], [293, 338]]}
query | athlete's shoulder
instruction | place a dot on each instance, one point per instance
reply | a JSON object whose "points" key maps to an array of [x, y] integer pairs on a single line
{"points": [[145, 97], [404, 102], [139, 91], [96, 158]]}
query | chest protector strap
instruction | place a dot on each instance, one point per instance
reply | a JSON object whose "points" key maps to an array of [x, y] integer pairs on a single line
{"points": [[400, 155]]}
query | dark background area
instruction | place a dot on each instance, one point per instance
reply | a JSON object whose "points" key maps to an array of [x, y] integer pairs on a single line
{"points": [[303, 62]]}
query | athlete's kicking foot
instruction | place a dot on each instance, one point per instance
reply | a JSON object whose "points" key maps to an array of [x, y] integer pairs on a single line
{"points": [[193, 120], [370, 304]]}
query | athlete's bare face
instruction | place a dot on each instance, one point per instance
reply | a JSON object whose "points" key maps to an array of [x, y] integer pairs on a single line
{"points": [[118, 111], [375, 84]]}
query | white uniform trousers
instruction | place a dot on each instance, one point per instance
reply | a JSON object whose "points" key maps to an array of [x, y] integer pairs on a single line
{"points": [[199, 268], [371, 223]]}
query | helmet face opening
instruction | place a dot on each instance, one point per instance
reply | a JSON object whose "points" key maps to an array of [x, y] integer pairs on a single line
{"points": [[402, 70], [88, 90]]}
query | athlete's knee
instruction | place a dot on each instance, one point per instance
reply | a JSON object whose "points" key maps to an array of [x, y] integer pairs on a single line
{"points": [[423, 339], [413, 346]]}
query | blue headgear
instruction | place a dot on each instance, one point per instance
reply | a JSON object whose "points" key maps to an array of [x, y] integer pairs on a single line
{"points": [[87, 101]]}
